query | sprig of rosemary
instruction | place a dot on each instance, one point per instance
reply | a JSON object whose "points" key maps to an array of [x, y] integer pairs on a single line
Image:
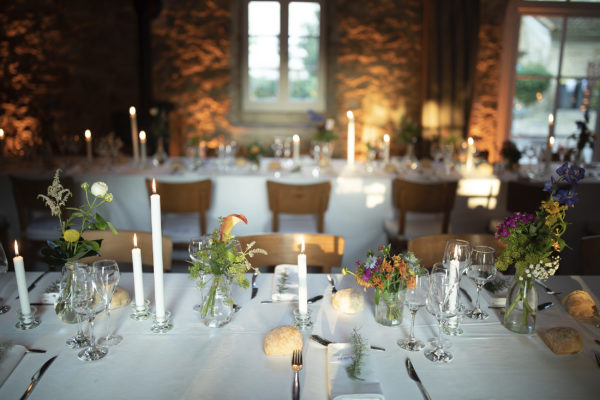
{"points": [[282, 283], [496, 285], [359, 347]]}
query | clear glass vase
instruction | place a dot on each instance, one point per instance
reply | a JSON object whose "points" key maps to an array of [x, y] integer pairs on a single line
{"points": [[521, 305], [388, 311], [217, 302], [63, 307]]}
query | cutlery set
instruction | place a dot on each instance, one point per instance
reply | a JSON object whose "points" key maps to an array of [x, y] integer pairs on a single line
{"points": [[296, 366]]}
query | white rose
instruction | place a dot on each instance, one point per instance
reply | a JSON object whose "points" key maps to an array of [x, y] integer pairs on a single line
{"points": [[99, 189]]}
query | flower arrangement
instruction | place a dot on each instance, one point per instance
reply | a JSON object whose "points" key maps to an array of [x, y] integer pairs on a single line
{"points": [[584, 136], [71, 246], [533, 241], [254, 151], [223, 261], [511, 154], [387, 274], [324, 131]]}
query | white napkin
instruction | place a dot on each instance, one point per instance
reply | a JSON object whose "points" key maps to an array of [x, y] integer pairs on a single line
{"points": [[290, 290], [496, 299], [341, 386], [10, 355]]}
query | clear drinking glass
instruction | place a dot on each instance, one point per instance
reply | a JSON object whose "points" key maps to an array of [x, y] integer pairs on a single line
{"points": [[80, 339], [87, 300], [457, 256], [481, 270], [442, 286], [194, 246], [109, 279], [415, 298], [3, 269]]}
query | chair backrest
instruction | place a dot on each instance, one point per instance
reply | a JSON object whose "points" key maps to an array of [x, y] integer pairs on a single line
{"points": [[118, 247], [430, 249], [321, 250], [589, 254], [298, 199], [186, 197], [424, 198], [25, 192]]}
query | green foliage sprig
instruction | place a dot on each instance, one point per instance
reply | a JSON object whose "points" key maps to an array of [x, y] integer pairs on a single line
{"points": [[282, 283], [359, 349]]}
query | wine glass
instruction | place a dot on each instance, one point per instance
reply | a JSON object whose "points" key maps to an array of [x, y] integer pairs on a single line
{"points": [[109, 279], [194, 246], [442, 287], [3, 269], [87, 300], [416, 295], [457, 256], [481, 270], [277, 146], [80, 339]]}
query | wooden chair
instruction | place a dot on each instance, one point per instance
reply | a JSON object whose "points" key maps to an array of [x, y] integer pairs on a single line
{"points": [[430, 249], [36, 224], [178, 201], [298, 199], [118, 247], [429, 198], [589, 255], [322, 250]]}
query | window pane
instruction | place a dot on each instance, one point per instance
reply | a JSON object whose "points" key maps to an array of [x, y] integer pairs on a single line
{"points": [[303, 53], [263, 52], [263, 84], [263, 18], [304, 19], [534, 99], [303, 85], [539, 46], [582, 47], [575, 95]]}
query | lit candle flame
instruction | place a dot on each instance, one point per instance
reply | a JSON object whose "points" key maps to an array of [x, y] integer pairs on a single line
{"points": [[132, 111], [470, 141], [386, 138], [143, 136], [302, 246], [1, 134], [350, 115], [16, 248], [134, 240], [551, 141], [296, 139], [88, 135], [551, 119], [153, 185]]}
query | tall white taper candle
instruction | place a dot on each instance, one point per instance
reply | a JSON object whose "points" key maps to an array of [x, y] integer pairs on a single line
{"points": [[302, 289], [296, 153], [88, 144], [143, 150], [138, 282], [351, 138], [159, 295], [134, 134], [21, 282], [386, 149]]}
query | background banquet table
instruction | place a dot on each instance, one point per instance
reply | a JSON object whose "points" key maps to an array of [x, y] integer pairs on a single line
{"points": [[193, 361], [360, 199]]}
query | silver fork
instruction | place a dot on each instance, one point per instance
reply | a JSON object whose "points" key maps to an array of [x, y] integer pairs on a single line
{"points": [[332, 283], [546, 288], [296, 366]]}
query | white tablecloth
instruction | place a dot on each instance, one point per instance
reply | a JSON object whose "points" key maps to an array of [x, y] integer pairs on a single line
{"points": [[195, 362]]}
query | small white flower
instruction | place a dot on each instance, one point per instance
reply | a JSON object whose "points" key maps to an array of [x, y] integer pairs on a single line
{"points": [[520, 278], [99, 189]]}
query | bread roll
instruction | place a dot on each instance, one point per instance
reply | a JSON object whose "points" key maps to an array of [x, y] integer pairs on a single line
{"points": [[349, 301], [120, 298], [563, 340], [283, 340], [579, 304]]}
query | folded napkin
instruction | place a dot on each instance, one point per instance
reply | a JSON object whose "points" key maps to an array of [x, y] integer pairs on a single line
{"points": [[10, 355], [497, 298], [341, 386], [285, 283]]}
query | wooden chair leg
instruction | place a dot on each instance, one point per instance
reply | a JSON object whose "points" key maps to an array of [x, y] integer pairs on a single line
{"points": [[275, 223], [320, 223]]}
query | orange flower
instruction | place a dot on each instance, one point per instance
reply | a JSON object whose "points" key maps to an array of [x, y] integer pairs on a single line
{"points": [[388, 277], [411, 281]]}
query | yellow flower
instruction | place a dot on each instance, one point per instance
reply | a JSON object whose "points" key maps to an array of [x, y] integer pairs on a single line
{"points": [[551, 207], [71, 235]]}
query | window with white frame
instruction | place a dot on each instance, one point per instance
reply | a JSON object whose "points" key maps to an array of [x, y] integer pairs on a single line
{"points": [[555, 76], [282, 56]]}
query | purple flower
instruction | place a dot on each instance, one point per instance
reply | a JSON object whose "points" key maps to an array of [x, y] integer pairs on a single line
{"points": [[367, 275], [548, 186], [357, 263], [560, 171]]}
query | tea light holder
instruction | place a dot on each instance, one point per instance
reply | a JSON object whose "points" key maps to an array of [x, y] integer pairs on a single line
{"points": [[162, 326], [302, 320], [27, 321], [141, 312]]}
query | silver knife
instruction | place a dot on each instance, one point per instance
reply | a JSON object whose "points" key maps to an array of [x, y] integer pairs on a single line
{"points": [[36, 377], [309, 301], [413, 375], [325, 342], [30, 287], [254, 287]]}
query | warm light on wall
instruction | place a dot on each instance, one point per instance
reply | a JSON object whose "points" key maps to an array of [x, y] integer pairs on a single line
{"points": [[481, 192]]}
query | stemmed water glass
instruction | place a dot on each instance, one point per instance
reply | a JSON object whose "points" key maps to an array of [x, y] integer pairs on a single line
{"points": [[481, 270], [277, 146], [416, 295], [194, 246], [3, 269], [87, 300], [442, 286], [457, 257], [80, 339], [108, 271]]}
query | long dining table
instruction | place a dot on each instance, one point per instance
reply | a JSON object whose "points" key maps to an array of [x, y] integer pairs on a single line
{"points": [[193, 361]]}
